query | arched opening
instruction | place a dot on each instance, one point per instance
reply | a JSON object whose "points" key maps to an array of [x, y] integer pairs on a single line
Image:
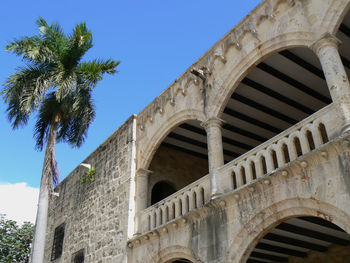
{"points": [[182, 261], [303, 239], [297, 146], [161, 190], [263, 164], [278, 93], [179, 160]]}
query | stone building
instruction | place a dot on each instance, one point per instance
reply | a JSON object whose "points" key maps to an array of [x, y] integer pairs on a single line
{"points": [[244, 158]]}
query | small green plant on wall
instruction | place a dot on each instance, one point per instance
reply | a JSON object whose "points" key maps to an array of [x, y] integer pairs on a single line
{"points": [[89, 175]]}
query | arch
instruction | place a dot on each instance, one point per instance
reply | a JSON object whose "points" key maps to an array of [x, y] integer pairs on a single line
{"points": [[334, 16], [250, 234], [254, 57], [172, 253], [160, 134]]}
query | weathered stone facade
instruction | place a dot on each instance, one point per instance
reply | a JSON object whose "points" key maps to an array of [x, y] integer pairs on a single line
{"points": [[225, 206], [96, 213]]}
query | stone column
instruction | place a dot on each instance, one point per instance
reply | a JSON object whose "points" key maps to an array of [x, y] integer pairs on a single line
{"points": [[326, 49], [215, 152], [141, 184]]}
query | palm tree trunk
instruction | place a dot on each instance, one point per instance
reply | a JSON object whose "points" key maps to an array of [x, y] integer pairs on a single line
{"points": [[46, 186]]}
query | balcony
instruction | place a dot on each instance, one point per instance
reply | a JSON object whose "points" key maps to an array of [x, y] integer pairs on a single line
{"points": [[257, 164]]}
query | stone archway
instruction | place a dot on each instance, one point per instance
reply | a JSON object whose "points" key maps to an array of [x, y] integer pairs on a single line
{"points": [[334, 16], [253, 57], [175, 254], [146, 153], [303, 239], [250, 234]]}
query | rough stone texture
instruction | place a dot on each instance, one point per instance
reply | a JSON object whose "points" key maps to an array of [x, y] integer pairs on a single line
{"points": [[95, 213], [175, 167]]}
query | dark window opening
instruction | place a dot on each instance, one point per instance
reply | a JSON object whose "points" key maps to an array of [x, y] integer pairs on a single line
{"points": [[323, 132], [297, 146], [234, 180], [252, 167], [286, 153], [57, 246], [78, 257], [263, 164], [243, 176], [274, 159], [160, 191], [310, 140]]}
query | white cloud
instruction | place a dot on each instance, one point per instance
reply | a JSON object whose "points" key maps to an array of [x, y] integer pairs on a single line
{"points": [[19, 202]]}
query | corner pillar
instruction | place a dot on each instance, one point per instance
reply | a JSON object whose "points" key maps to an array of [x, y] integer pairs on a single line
{"points": [[326, 48], [141, 184], [215, 152]]}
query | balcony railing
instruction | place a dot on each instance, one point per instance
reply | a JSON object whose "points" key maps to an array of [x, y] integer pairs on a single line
{"points": [[276, 153], [189, 198]]}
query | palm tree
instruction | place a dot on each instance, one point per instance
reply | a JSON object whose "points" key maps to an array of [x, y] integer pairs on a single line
{"points": [[55, 83]]}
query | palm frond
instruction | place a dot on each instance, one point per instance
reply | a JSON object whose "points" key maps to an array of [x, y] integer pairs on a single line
{"points": [[93, 71], [66, 83], [80, 41], [24, 92], [33, 49], [77, 115]]}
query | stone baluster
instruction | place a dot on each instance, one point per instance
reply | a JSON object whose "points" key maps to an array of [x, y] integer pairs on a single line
{"points": [[185, 205], [171, 210], [141, 181], [215, 152], [165, 215], [326, 48], [280, 155], [304, 143], [269, 161], [249, 171], [159, 217], [259, 167], [316, 133], [177, 208]]}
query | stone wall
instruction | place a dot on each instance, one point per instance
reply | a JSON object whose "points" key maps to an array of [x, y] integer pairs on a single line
{"points": [[95, 213], [176, 167]]}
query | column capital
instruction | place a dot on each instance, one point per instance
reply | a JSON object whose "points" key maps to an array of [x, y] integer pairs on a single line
{"points": [[326, 40], [213, 121], [141, 172]]}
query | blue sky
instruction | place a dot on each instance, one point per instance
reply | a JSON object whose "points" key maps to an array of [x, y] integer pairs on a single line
{"points": [[155, 41]]}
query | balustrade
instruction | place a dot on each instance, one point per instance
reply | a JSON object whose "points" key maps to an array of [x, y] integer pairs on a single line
{"points": [[275, 153], [176, 205]]}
